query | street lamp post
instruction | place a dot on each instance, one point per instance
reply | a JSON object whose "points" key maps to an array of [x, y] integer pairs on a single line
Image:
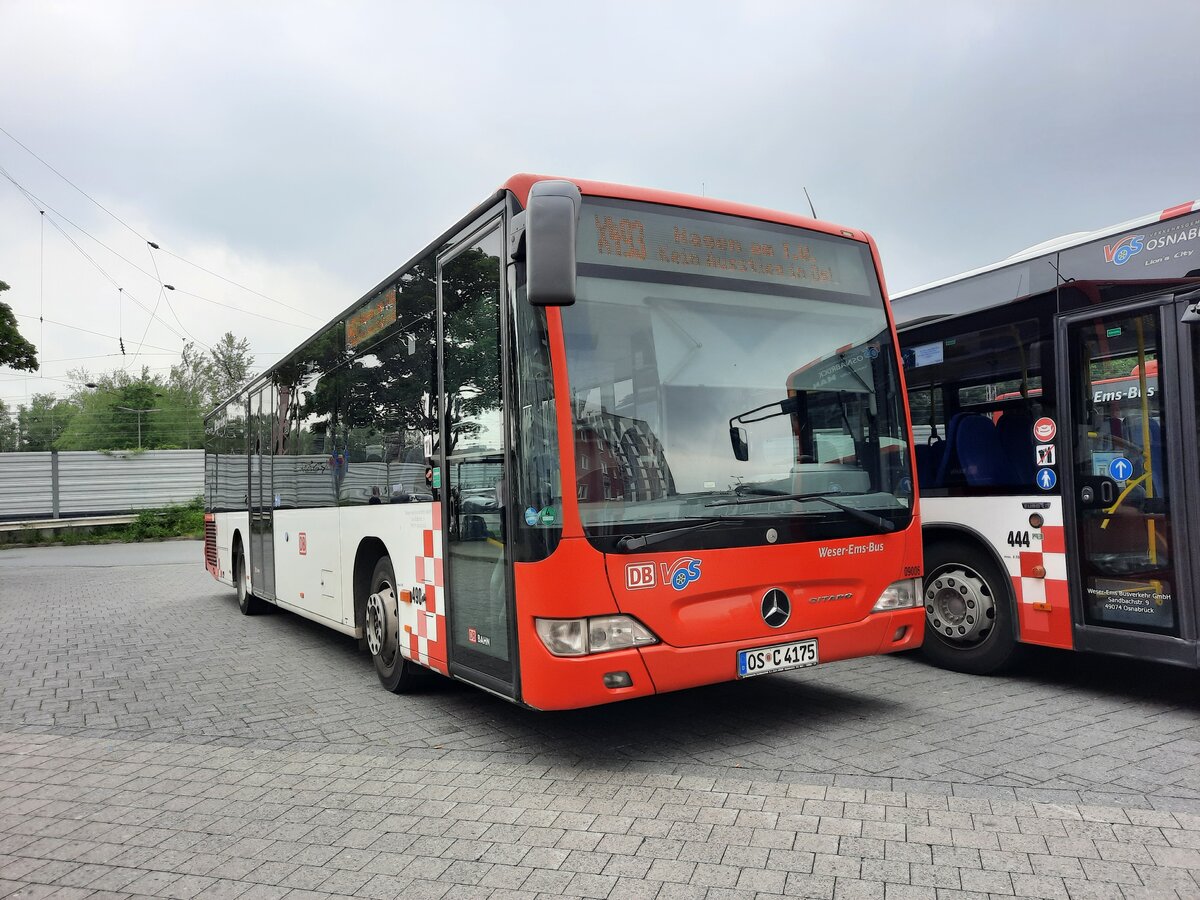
{"points": [[139, 415]]}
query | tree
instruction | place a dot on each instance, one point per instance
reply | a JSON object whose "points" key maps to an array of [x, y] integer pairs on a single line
{"points": [[123, 413], [15, 351], [8, 429], [42, 422], [194, 377], [231, 364]]}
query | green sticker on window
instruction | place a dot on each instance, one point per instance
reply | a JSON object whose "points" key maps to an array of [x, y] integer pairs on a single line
{"points": [[547, 515], [437, 476], [1113, 332]]}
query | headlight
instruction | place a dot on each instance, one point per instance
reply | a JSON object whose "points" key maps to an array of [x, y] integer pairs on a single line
{"points": [[579, 637], [899, 595], [617, 633]]}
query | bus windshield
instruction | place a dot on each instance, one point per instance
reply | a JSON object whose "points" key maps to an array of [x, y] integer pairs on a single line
{"points": [[695, 332]]}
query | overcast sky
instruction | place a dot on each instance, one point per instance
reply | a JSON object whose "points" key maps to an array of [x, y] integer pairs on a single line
{"points": [[305, 150]]}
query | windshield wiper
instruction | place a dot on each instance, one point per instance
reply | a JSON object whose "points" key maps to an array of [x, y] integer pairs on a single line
{"points": [[649, 539], [769, 495]]}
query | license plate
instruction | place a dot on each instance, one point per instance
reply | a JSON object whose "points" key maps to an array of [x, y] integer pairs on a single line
{"points": [[762, 660]]}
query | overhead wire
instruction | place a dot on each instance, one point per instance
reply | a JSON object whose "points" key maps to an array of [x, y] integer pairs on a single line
{"points": [[142, 236], [96, 333], [33, 200], [36, 201]]}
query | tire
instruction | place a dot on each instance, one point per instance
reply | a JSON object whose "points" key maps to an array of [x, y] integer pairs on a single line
{"points": [[247, 602], [969, 614], [381, 633]]}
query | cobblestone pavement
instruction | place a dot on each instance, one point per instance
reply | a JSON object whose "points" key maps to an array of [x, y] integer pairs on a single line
{"points": [[154, 742]]}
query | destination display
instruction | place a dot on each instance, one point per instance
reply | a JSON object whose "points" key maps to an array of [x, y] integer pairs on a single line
{"points": [[642, 237], [371, 318]]}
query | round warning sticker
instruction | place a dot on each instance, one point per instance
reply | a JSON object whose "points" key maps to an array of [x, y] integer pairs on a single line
{"points": [[1044, 429]]}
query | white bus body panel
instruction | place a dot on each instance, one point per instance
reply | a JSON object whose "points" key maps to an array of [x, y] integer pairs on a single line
{"points": [[227, 524], [1043, 606]]}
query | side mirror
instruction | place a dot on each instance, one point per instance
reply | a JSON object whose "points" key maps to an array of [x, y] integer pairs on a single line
{"points": [[737, 437], [551, 221]]}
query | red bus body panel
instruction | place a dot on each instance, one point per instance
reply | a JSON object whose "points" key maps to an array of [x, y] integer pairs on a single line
{"points": [[702, 626]]}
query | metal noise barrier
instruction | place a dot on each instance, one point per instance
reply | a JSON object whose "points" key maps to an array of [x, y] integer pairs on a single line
{"points": [[82, 483]]}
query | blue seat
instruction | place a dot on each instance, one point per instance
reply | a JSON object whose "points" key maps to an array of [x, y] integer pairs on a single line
{"points": [[929, 461], [983, 459], [1015, 431]]}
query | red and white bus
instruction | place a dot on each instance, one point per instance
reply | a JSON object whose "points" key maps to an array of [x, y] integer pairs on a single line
{"points": [[594, 442], [1054, 404]]}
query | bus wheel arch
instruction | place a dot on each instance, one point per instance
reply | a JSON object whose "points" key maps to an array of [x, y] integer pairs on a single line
{"points": [[247, 602], [370, 551], [376, 617], [970, 608]]}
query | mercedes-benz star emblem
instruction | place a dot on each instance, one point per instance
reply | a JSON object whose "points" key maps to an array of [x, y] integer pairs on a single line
{"points": [[776, 608]]}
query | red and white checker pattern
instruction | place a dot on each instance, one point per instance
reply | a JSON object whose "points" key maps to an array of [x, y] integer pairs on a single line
{"points": [[1044, 602], [426, 642]]}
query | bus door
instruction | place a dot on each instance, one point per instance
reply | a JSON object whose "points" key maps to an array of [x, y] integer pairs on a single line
{"points": [[479, 606], [1121, 443], [262, 497]]}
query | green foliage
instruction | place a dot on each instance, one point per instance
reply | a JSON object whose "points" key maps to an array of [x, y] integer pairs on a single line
{"points": [[15, 351], [181, 520], [170, 521], [170, 411], [8, 430], [43, 421]]}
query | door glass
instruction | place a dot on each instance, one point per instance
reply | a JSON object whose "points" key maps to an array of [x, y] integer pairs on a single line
{"points": [[262, 550], [473, 473], [1122, 493]]}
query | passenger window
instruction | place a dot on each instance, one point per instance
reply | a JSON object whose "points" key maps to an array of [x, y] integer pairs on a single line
{"points": [[974, 397]]}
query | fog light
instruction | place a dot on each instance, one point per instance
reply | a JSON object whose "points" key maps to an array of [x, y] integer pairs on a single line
{"points": [[614, 680], [901, 634], [898, 595]]}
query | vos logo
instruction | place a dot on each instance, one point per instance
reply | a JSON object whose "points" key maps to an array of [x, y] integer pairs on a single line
{"points": [[1119, 253], [682, 572]]}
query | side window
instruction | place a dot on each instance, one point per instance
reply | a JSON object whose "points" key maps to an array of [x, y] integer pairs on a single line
{"points": [[214, 438], [232, 466], [974, 395], [391, 389], [311, 418]]}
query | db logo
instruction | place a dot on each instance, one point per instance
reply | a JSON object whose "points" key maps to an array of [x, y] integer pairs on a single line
{"points": [[302, 542], [472, 635], [639, 576], [1118, 254], [682, 572]]}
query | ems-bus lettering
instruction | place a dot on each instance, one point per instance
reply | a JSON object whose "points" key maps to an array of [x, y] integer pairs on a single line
{"points": [[545, 459]]}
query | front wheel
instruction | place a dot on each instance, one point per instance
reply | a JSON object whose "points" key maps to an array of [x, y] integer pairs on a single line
{"points": [[969, 616], [382, 632]]}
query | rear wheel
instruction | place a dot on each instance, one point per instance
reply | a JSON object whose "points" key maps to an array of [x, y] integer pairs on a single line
{"points": [[969, 616], [381, 629], [247, 602]]}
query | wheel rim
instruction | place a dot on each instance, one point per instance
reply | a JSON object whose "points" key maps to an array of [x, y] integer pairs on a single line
{"points": [[959, 605], [382, 625]]}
